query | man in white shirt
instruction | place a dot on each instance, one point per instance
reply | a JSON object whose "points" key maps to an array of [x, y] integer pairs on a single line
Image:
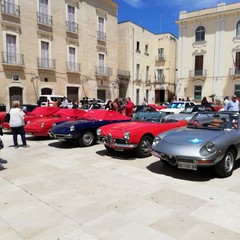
{"points": [[233, 105]]}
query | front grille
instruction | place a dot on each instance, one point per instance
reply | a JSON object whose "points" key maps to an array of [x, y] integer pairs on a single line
{"points": [[120, 141], [109, 139]]}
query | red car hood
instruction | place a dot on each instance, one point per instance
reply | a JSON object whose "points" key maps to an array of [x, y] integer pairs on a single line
{"points": [[125, 126]]}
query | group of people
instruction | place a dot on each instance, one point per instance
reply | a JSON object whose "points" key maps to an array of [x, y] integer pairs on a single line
{"points": [[231, 105], [119, 106]]}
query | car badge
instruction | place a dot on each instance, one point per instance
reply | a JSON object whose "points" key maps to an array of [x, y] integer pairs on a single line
{"points": [[195, 140]]}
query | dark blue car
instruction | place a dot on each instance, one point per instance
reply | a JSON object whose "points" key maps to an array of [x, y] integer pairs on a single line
{"points": [[84, 130]]}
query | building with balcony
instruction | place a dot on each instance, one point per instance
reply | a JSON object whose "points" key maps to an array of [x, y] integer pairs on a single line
{"points": [[146, 64], [64, 47], [209, 52]]}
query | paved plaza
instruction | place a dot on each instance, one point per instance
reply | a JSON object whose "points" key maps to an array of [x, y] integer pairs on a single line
{"points": [[52, 191]]}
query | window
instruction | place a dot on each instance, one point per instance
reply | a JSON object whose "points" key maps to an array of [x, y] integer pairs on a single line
{"points": [[72, 59], [43, 16], [137, 96], [198, 92], [147, 73], [9, 7], [101, 30], [138, 47], [198, 70], [101, 63], [147, 94], [237, 90], [71, 19], [15, 77], [138, 72], [160, 75], [11, 56], [146, 50], [161, 54], [238, 29], [237, 63], [44, 54], [200, 34]]}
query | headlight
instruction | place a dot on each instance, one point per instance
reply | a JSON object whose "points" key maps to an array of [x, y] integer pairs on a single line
{"points": [[72, 128], [28, 122], [42, 125], [156, 140], [126, 135], [210, 147], [99, 132], [54, 124]]}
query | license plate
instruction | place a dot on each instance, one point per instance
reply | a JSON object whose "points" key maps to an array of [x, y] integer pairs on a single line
{"points": [[118, 149], [29, 133], [190, 166]]}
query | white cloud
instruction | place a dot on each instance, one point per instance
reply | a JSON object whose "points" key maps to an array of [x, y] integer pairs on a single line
{"points": [[134, 3]]}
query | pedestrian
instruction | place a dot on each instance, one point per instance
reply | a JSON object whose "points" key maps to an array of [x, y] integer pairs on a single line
{"points": [[144, 102], [65, 103], [17, 123], [225, 102], [109, 105], [233, 104], [39, 102], [116, 105], [204, 101], [74, 104], [129, 107]]}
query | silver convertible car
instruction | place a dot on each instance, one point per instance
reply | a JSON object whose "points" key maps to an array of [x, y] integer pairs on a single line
{"points": [[209, 139]]}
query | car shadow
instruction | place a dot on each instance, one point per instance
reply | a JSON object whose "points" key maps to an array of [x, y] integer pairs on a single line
{"points": [[201, 175], [2, 162], [31, 138], [125, 155], [64, 145]]}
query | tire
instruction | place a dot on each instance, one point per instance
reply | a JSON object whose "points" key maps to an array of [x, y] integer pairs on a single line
{"points": [[226, 166], [143, 148], [87, 139]]}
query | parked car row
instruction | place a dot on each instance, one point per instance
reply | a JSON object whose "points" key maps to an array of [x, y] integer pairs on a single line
{"points": [[196, 137]]}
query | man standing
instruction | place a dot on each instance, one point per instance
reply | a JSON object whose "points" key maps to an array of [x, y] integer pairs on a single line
{"points": [[129, 107], [233, 105]]}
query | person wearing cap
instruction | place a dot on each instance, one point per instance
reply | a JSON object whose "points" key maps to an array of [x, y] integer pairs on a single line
{"points": [[233, 104]]}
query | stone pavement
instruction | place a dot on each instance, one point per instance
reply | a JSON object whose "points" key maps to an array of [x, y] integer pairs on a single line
{"points": [[52, 191]]}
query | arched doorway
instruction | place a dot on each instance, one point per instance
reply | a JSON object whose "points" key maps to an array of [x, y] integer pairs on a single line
{"points": [[15, 94]]}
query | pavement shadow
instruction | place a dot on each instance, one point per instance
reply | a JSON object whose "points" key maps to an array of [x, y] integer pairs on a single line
{"points": [[64, 145], [125, 155], [2, 162], [201, 175], [31, 138]]}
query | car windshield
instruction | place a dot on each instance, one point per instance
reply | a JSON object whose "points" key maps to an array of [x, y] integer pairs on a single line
{"points": [[214, 121], [176, 105], [148, 117]]}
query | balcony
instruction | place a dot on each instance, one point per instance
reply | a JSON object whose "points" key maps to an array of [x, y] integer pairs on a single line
{"points": [[123, 73], [198, 73], [161, 58], [101, 36], [12, 59], [72, 27], [44, 19], [138, 78], [103, 71], [46, 63], [234, 71], [73, 67], [160, 79], [148, 77], [10, 8]]}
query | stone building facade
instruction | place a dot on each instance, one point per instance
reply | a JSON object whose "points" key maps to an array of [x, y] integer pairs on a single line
{"points": [[64, 47], [146, 64], [209, 52]]}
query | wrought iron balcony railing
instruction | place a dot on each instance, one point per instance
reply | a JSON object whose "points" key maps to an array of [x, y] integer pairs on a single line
{"points": [[148, 77], [198, 73], [161, 58], [138, 77], [10, 8], [44, 19], [72, 27], [73, 67], [46, 63], [103, 71], [13, 58], [101, 36], [234, 71]]}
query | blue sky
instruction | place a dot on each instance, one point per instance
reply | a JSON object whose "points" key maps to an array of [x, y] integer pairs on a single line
{"points": [[159, 16]]}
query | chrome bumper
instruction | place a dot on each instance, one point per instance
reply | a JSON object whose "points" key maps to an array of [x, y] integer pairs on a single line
{"points": [[113, 144]]}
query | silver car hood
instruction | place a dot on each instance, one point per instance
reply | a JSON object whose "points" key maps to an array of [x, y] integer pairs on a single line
{"points": [[190, 136]]}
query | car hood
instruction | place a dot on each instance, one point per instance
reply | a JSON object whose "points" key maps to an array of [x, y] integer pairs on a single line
{"points": [[188, 136], [125, 126]]}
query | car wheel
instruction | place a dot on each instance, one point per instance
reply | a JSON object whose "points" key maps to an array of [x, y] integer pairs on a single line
{"points": [[143, 148], [226, 166], [108, 148], [87, 139]]}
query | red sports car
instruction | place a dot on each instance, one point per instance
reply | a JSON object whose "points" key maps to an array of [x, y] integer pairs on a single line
{"points": [[39, 127], [36, 113], [138, 134]]}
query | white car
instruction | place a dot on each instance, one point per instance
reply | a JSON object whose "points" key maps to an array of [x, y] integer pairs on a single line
{"points": [[99, 101], [177, 107]]}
